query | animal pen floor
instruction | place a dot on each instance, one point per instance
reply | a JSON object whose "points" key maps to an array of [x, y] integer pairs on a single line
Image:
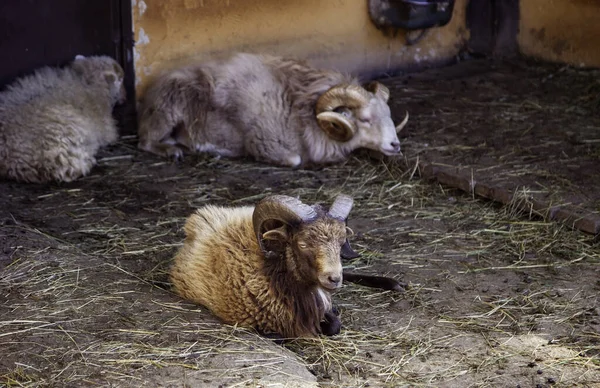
{"points": [[500, 295]]}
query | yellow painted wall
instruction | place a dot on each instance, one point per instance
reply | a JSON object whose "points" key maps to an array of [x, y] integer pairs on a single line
{"points": [[561, 30], [330, 33]]}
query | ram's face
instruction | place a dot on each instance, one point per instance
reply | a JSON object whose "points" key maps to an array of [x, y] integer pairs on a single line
{"points": [[359, 117], [317, 246], [375, 129]]}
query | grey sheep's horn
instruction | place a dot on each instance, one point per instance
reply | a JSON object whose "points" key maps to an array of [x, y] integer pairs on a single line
{"points": [[378, 89], [279, 209], [334, 124], [340, 209]]}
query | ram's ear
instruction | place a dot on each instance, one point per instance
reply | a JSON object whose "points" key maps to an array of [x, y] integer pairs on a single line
{"points": [[378, 89], [278, 234], [274, 240]]}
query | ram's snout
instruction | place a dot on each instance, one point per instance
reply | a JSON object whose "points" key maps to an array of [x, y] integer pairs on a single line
{"points": [[390, 144], [331, 279]]}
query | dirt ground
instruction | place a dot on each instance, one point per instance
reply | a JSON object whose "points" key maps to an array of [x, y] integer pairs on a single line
{"points": [[513, 132], [497, 297]]}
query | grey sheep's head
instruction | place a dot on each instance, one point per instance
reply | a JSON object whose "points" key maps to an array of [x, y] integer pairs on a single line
{"points": [[309, 238], [360, 117], [103, 71]]}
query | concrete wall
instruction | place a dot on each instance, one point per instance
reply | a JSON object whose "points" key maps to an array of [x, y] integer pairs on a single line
{"points": [[332, 33], [561, 31]]}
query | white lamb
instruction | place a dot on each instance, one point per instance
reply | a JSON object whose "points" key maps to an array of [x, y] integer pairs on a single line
{"points": [[53, 122]]}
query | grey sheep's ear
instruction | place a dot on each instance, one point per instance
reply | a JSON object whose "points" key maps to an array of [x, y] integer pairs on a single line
{"points": [[378, 89], [110, 77], [80, 65], [336, 126], [118, 70]]}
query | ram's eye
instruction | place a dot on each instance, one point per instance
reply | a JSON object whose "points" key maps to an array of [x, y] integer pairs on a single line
{"points": [[364, 120]]}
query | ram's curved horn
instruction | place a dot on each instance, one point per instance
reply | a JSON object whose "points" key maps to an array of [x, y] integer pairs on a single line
{"points": [[340, 209], [378, 89], [350, 96], [273, 214], [402, 124], [336, 126]]}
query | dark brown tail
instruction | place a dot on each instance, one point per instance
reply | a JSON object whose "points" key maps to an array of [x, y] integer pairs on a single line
{"points": [[382, 282]]}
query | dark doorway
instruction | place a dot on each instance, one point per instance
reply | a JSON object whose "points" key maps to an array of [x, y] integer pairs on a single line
{"points": [[35, 33]]}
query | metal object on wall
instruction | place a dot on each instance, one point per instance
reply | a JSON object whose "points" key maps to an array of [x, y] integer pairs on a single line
{"points": [[410, 14]]}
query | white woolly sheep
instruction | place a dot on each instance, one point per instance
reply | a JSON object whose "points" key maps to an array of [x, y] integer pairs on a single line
{"points": [[271, 267], [277, 110], [53, 121]]}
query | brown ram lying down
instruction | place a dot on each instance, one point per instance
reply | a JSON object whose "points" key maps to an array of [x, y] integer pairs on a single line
{"points": [[277, 110], [272, 267], [53, 122]]}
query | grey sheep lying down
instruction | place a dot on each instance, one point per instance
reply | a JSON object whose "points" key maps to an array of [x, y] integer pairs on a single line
{"points": [[53, 122], [271, 267], [277, 110]]}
